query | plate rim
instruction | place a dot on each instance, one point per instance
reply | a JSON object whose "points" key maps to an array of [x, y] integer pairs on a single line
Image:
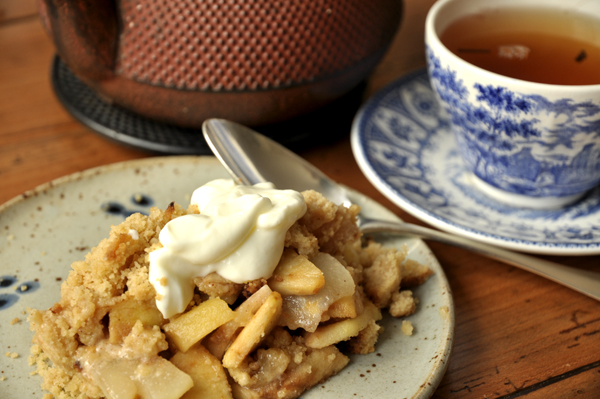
{"points": [[435, 220], [446, 345], [65, 179]]}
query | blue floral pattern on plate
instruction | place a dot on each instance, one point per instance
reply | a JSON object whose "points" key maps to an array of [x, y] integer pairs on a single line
{"points": [[402, 141]]}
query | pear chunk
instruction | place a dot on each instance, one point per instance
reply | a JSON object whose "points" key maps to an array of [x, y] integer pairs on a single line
{"points": [[123, 378]]}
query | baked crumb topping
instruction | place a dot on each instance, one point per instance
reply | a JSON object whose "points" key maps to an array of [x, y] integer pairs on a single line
{"points": [[266, 338]]}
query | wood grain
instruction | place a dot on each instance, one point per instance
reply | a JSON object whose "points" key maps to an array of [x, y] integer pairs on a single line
{"points": [[28, 101], [39, 140], [517, 335], [11, 10]]}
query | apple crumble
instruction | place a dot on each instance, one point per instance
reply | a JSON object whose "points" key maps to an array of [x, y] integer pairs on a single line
{"points": [[128, 326]]}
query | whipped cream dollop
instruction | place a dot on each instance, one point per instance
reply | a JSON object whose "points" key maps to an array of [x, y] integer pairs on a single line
{"points": [[239, 234]]}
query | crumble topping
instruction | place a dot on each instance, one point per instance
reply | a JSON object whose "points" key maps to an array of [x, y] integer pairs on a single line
{"points": [[267, 338]]}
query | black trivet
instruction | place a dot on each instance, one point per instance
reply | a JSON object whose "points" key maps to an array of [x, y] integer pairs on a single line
{"points": [[116, 123]]}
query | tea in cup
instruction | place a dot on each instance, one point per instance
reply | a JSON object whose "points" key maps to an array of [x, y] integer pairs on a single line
{"points": [[520, 82]]}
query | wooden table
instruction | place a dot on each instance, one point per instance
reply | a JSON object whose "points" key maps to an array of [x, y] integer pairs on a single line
{"points": [[517, 335]]}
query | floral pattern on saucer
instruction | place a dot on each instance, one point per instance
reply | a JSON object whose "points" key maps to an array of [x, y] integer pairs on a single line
{"points": [[403, 143]]}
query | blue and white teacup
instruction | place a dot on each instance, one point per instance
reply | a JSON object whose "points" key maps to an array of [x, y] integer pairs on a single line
{"points": [[527, 144]]}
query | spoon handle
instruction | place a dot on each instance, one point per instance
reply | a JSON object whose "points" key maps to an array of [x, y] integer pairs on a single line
{"points": [[584, 281]]}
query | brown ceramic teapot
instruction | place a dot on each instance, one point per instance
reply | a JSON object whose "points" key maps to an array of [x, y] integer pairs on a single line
{"points": [[252, 61]]}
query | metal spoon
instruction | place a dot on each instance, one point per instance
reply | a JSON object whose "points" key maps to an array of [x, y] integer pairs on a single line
{"points": [[252, 158]]}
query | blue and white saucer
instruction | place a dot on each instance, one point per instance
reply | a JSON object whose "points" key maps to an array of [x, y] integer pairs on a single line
{"points": [[402, 141]]}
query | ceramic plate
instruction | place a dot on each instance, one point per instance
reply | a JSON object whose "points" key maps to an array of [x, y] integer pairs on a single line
{"points": [[402, 141], [44, 231]]}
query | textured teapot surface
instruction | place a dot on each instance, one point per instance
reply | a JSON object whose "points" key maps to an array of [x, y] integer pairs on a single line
{"points": [[184, 61]]}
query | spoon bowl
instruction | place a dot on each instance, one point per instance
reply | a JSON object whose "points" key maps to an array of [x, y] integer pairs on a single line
{"points": [[252, 158]]}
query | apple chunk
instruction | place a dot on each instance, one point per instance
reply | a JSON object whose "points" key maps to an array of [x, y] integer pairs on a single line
{"points": [[210, 380], [257, 329], [331, 334], [124, 315], [305, 311], [194, 325], [218, 342], [347, 307], [296, 275]]}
